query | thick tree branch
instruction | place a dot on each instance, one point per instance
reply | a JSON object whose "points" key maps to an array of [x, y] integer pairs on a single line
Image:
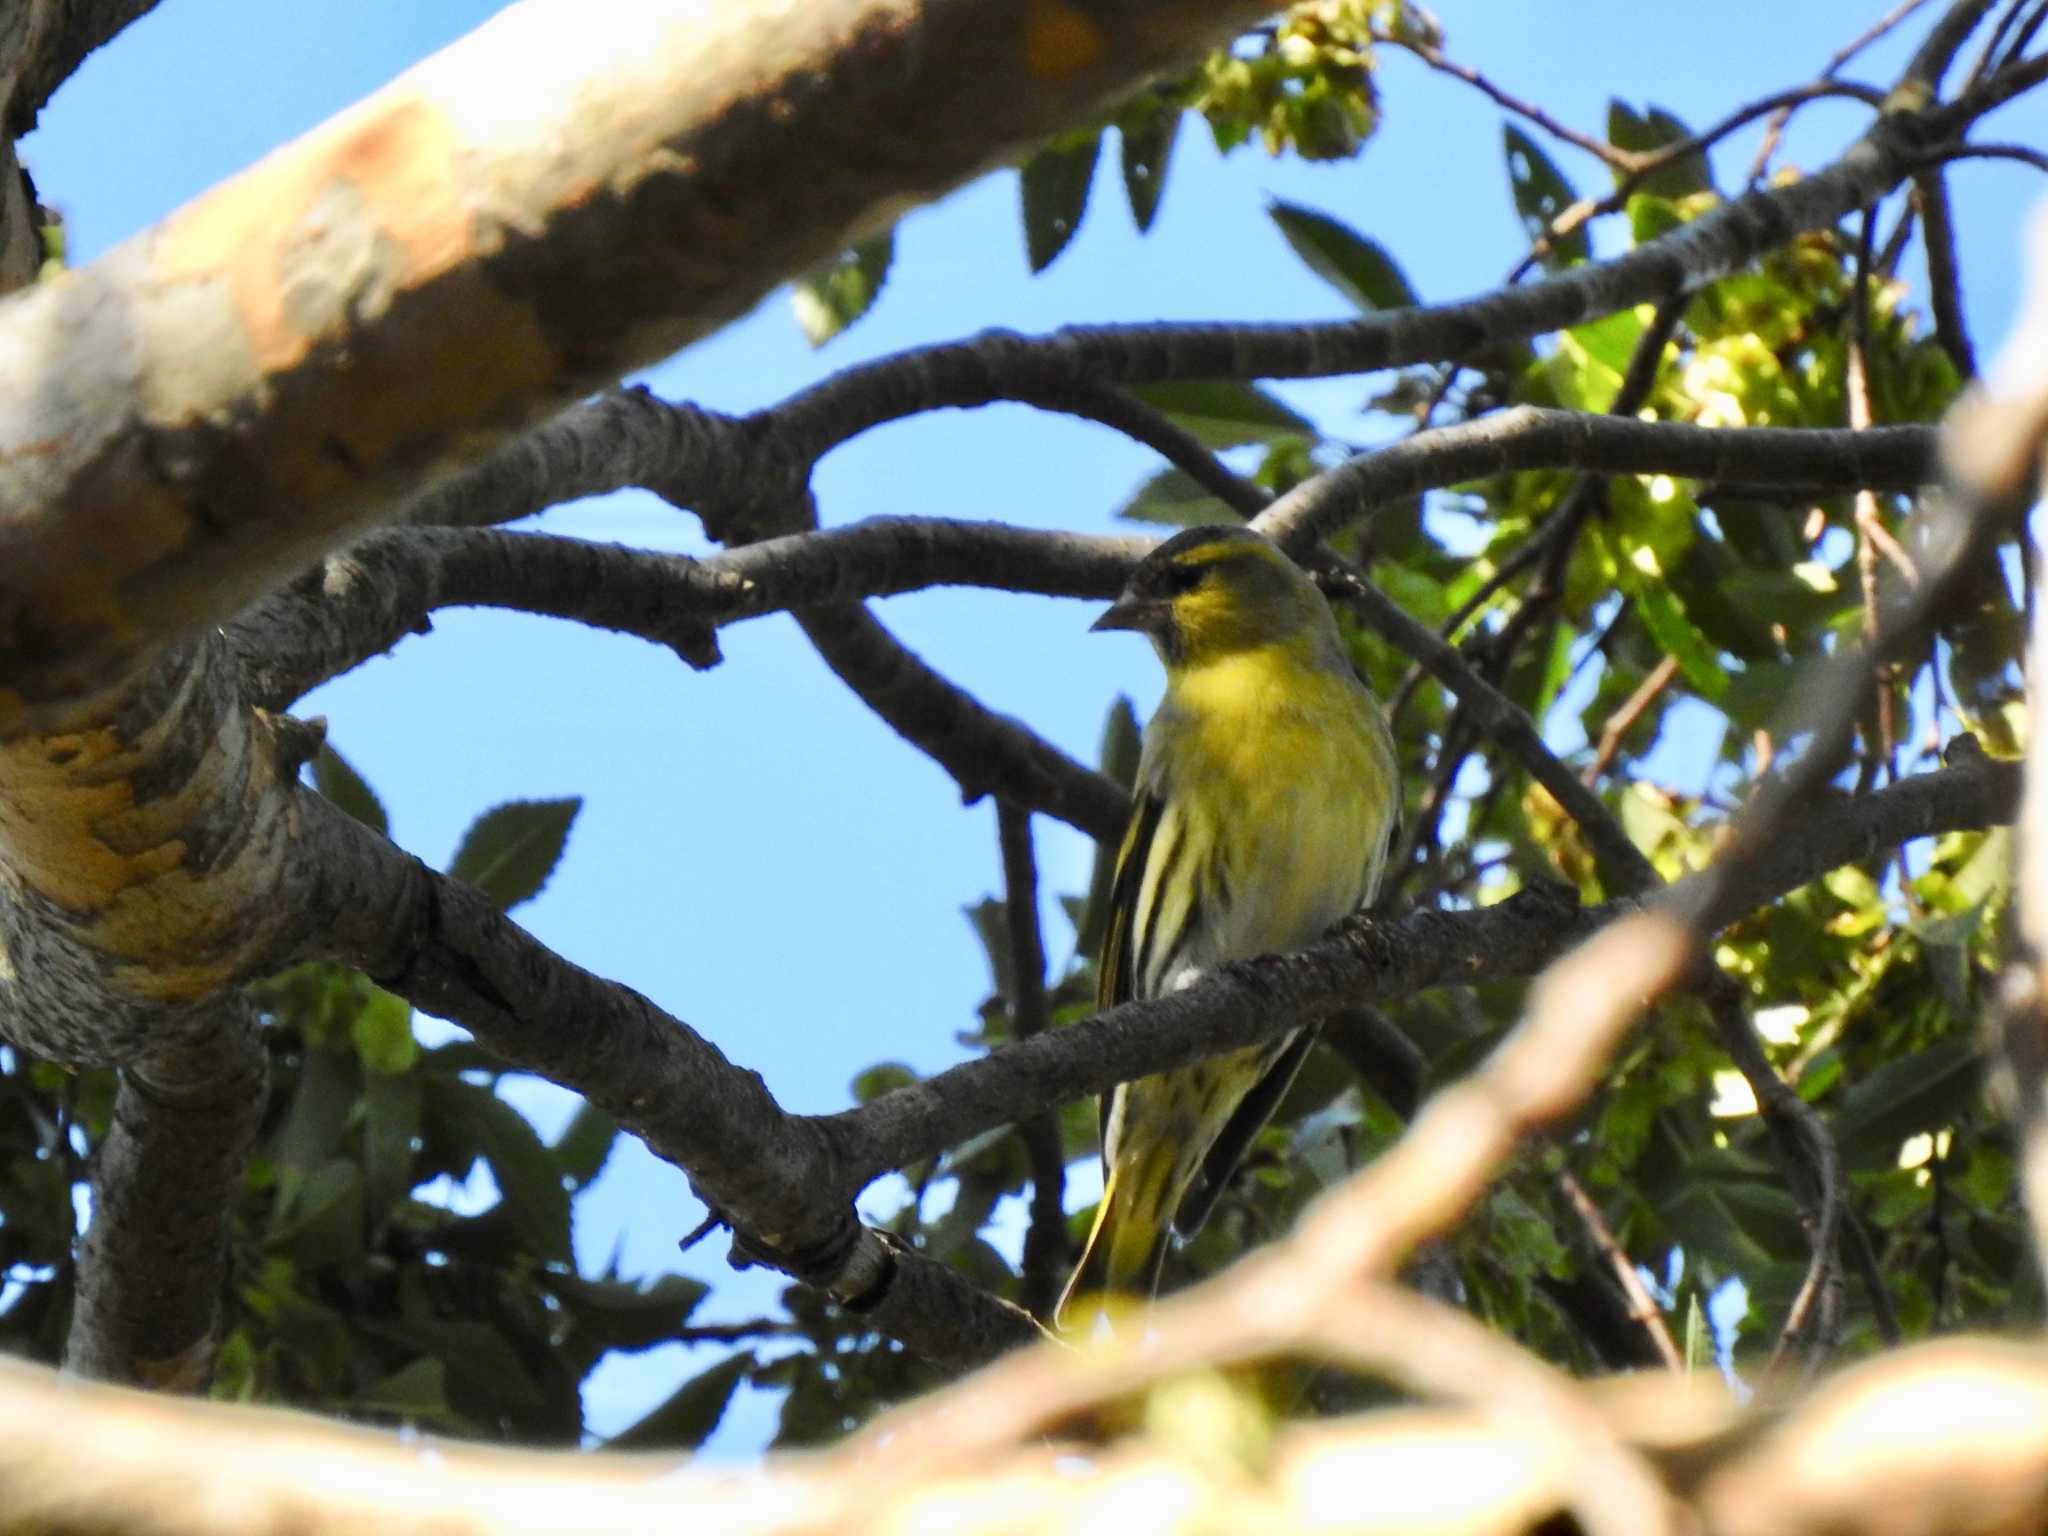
{"points": [[359, 603], [390, 297], [1368, 959], [778, 1179], [153, 1265]]}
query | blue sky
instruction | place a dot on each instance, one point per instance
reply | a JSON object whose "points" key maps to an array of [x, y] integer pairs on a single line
{"points": [[756, 852]]}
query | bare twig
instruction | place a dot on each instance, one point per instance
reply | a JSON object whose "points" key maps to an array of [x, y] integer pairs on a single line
{"points": [[1642, 1306], [1775, 129], [1624, 719], [1045, 1240], [1610, 154]]}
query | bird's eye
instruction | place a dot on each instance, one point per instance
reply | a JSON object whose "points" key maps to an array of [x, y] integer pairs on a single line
{"points": [[1183, 578]]}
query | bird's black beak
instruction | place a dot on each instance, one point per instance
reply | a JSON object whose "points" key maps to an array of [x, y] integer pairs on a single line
{"points": [[1131, 613]]}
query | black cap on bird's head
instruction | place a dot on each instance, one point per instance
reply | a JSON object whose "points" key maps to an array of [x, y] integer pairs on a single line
{"points": [[1213, 590]]}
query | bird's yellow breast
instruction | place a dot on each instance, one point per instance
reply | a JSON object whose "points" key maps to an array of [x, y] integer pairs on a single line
{"points": [[1286, 769]]}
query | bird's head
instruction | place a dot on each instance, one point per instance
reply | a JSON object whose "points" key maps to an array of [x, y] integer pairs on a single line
{"points": [[1210, 593]]}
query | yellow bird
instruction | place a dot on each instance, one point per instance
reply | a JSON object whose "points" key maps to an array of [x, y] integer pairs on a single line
{"points": [[1267, 795]]}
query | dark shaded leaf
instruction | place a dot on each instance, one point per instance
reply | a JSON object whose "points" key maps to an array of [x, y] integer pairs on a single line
{"points": [[475, 1353], [391, 1122], [339, 782], [417, 1392], [835, 295], [326, 1221], [585, 1144], [987, 918], [1055, 186], [509, 851], [1147, 133], [686, 1420], [1905, 1096], [622, 1315], [1225, 413], [1173, 498], [1355, 265], [529, 1179], [1541, 193], [329, 1083]]}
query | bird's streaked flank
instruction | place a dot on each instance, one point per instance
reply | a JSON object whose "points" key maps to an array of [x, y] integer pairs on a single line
{"points": [[1266, 797]]}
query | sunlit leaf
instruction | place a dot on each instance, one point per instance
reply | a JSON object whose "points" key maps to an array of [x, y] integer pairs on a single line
{"points": [[840, 292]]}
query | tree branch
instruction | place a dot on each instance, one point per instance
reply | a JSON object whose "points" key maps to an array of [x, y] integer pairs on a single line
{"points": [[1370, 959], [154, 1262], [367, 598], [657, 179], [1531, 437]]}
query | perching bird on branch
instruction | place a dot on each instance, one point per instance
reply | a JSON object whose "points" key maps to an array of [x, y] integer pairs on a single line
{"points": [[1267, 794]]}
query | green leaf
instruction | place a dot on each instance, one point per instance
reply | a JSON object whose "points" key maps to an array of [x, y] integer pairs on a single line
{"points": [[884, 1077], [417, 1392], [991, 925], [391, 1123], [1682, 177], [339, 782], [1664, 616], [328, 1086], [1225, 413], [833, 296], [473, 1352], [326, 1225], [1173, 498], [313, 1333], [529, 1179], [686, 1420], [1699, 1337], [1355, 265], [1541, 193], [585, 1144], [509, 851], [1055, 187], [621, 1315], [382, 1033], [1147, 133], [1909, 1094]]}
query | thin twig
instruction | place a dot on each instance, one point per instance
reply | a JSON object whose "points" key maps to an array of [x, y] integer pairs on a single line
{"points": [[1642, 1306], [1610, 154], [1045, 1240], [1624, 719], [1774, 130]]}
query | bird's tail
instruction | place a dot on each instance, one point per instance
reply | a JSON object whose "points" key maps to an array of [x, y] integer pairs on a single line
{"points": [[1127, 1243]]}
